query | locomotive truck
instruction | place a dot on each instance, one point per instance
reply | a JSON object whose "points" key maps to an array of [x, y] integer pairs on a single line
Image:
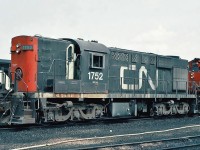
{"points": [[57, 80]]}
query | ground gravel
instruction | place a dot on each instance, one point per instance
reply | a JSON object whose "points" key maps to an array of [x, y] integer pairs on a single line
{"points": [[17, 138]]}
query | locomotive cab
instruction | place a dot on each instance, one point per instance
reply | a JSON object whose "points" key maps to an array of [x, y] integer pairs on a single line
{"points": [[86, 67]]}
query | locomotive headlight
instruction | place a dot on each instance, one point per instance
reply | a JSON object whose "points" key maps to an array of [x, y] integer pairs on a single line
{"points": [[18, 51], [18, 74]]}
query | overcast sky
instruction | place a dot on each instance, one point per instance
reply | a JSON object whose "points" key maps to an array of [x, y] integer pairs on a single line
{"points": [[166, 27]]}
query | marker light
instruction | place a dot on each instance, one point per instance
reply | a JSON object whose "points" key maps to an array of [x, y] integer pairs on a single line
{"points": [[18, 45]]}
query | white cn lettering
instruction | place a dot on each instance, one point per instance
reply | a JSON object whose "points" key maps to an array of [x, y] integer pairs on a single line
{"points": [[136, 86]]}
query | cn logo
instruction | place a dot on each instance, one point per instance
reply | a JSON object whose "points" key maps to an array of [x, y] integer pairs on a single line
{"points": [[138, 86]]}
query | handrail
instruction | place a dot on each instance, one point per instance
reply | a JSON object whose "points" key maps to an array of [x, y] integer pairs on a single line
{"points": [[52, 63], [15, 85], [20, 79], [163, 85], [7, 94], [3, 79]]}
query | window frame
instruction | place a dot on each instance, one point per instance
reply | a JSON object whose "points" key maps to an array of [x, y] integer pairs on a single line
{"points": [[92, 61]]}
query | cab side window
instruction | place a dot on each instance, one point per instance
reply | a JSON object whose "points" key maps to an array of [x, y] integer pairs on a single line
{"points": [[97, 60]]}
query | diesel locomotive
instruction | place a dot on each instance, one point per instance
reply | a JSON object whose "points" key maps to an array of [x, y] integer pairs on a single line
{"points": [[194, 72], [57, 80]]}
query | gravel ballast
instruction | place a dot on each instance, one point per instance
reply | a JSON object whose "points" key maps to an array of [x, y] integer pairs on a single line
{"points": [[10, 139]]}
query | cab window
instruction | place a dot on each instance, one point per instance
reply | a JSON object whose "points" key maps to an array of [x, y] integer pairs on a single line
{"points": [[97, 60]]}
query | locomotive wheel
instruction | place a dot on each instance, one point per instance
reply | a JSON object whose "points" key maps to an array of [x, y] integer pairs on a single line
{"points": [[151, 112]]}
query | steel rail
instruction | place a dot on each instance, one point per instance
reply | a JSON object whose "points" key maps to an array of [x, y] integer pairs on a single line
{"points": [[144, 142], [182, 147], [71, 123]]}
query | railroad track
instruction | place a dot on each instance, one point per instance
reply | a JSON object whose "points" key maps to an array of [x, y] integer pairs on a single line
{"points": [[118, 141], [134, 144], [72, 123]]}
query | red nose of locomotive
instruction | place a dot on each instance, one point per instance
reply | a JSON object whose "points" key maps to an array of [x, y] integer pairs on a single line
{"points": [[24, 53]]}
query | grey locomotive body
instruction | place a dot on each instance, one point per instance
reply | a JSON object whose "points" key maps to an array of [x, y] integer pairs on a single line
{"points": [[78, 80]]}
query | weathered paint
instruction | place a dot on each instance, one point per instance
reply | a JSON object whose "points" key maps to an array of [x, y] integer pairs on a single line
{"points": [[26, 60]]}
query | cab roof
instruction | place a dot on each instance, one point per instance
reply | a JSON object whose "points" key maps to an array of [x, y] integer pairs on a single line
{"points": [[89, 45]]}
